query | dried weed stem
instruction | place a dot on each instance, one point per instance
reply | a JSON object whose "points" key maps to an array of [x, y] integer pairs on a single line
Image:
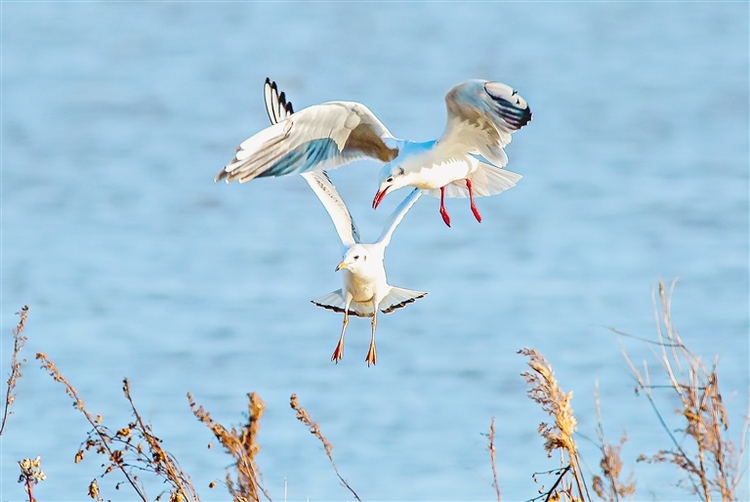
{"points": [[242, 445], [609, 486], [123, 453], [711, 461], [491, 448], [314, 428], [19, 341], [556, 403]]}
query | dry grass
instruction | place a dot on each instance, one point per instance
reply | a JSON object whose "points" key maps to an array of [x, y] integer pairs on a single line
{"points": [[19, 342], [700, 448], [703, 451], [241, 444]]}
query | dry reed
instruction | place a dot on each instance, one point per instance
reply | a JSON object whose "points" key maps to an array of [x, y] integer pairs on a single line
{"points": [[241, 444], [712, 464], [19, 342], [546, 392]]}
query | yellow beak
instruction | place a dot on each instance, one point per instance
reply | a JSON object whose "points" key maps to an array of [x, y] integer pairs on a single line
{"points": [[341, 265]]}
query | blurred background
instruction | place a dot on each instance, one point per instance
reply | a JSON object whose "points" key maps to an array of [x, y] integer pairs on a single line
{"points": [[117, 116]]}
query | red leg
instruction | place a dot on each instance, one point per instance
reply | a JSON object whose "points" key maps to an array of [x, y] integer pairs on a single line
{"points": [[471, 198], [372, 355], [339, 352], [443, 211]]}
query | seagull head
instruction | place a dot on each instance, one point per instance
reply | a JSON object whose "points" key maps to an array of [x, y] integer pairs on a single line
{"points": [[354, 260], [392, 177]]}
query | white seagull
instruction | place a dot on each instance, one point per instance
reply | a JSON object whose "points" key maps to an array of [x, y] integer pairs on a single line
{"points": [[366, 289], [467, 160]]}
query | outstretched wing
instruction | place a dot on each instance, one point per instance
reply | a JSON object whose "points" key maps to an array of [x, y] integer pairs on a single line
{"points": [[277, 107], [319, 137], [325, 190], [397, 216], [482, 116]]}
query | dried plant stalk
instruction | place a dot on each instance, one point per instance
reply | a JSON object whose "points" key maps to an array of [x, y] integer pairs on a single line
{"points": [[712, 463], [31, 475], [546, 392], [314, 428], [491, 449], [123, 449], [99, 437], [19, 342], [242, 445], [609, 486], [161, 462]]}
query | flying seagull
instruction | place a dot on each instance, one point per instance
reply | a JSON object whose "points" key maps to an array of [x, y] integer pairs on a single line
{"points": [[366, 289], [466, 161]]}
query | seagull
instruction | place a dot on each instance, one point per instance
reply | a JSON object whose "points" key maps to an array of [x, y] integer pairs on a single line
{"points": [[365, 286], [366, 289], [467, 160]]}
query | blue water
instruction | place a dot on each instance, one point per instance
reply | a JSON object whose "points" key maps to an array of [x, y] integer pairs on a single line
{"points": [[116, 117]]}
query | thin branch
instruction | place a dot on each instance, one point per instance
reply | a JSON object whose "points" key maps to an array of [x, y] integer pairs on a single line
{"points": [[104, 438], [160, 458], [314, 428]]}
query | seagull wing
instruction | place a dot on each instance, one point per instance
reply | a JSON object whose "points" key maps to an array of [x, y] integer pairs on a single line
{"points": [[397, 216], [318, 137], [482, 116], [342, 219], [277, 107]]}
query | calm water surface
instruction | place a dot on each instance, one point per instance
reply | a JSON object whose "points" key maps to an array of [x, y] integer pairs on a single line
{"points": [[116, 116]]}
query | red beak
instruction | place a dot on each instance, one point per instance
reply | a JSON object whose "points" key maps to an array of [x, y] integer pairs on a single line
{"points": [[379, 197]]}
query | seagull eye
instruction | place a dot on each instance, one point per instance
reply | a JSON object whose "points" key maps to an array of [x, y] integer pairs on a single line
{"points": [[356, 257], [390, 179]]}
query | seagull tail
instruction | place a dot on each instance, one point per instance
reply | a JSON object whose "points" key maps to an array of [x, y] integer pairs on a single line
{"points": [[486, 180], [335, 301], [399, 298]]}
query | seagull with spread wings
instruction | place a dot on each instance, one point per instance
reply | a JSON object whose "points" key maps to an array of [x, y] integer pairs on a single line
{"points": [[466, 161], [366, 289]]}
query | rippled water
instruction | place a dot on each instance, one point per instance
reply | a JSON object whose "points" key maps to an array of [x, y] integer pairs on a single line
{"points": [[115, 118]]}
